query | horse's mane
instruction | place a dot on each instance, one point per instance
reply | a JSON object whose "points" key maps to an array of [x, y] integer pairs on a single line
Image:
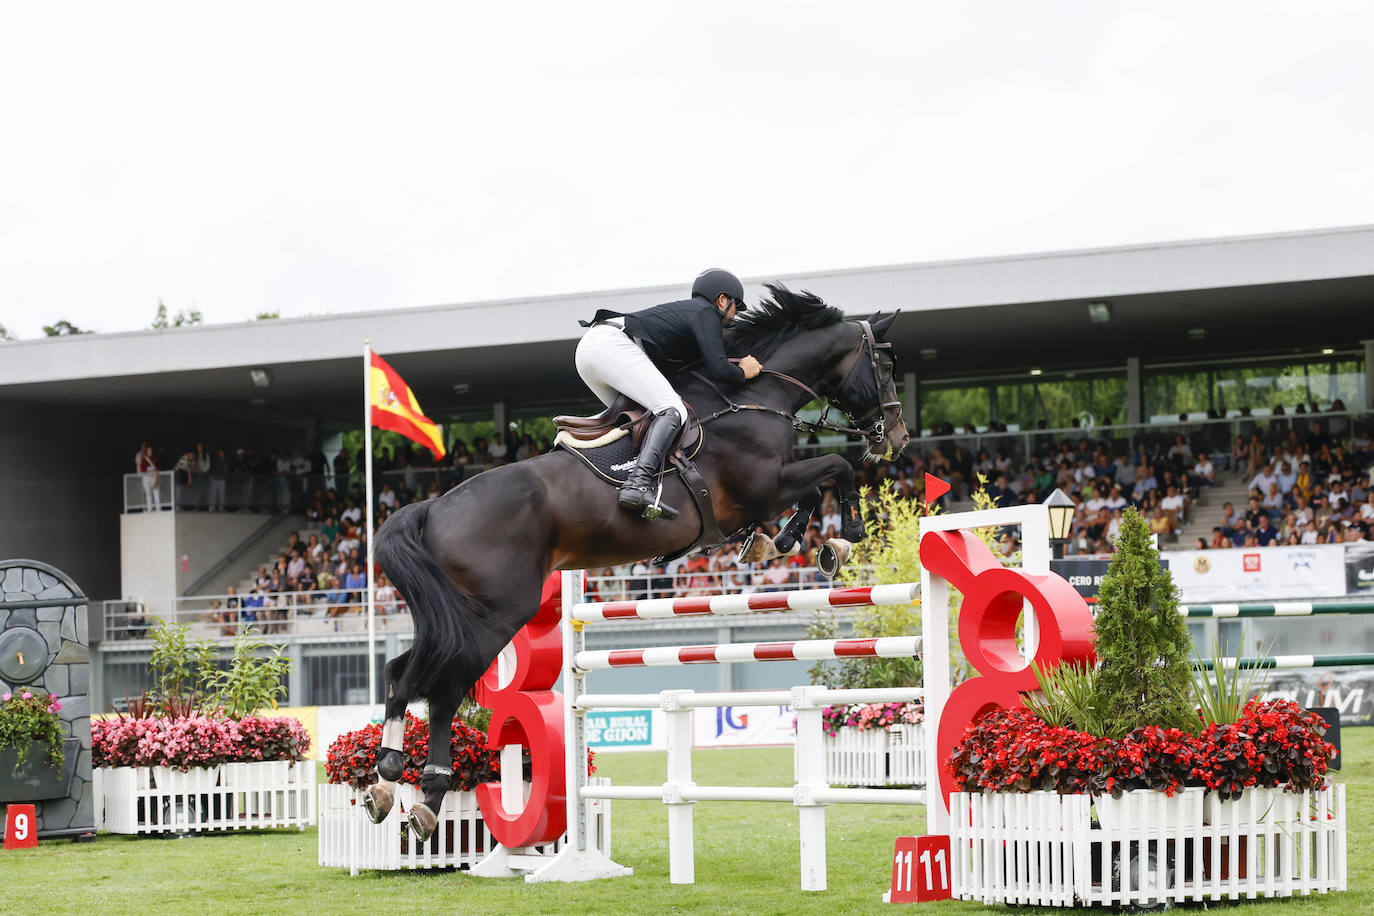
{"points": [[763, 328]]}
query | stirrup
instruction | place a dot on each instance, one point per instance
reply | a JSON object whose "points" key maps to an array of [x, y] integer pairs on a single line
{"points": [[659, 509]]}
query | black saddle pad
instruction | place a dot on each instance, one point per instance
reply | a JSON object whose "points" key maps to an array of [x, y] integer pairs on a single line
{"points": [[613, 462]]}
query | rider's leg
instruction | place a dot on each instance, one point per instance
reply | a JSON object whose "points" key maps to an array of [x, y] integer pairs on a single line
{"points": [[608, 360], [639, 493]]}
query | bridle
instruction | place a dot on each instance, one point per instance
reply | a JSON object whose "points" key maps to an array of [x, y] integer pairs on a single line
{"points": [[872, 426]]}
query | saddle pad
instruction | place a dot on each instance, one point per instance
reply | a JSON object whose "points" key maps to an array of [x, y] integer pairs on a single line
{"points": [[613, 461]]}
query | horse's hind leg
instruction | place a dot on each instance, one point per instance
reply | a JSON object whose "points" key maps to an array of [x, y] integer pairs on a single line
{"points": [[438, 773], [381, 796]]}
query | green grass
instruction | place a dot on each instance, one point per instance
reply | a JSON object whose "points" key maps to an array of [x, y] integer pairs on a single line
{"points": [[746, 862]]}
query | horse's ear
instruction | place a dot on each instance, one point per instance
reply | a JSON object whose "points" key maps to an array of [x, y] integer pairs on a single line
{"points": [[881, 324]]}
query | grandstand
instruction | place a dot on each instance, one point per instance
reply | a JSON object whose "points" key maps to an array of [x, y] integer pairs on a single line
{"points": [[1084, 357]]}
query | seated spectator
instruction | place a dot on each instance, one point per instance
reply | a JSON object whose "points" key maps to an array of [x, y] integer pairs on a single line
{"points": [[1115, 502], [1160, 523], [1180, 454], [1265, 535], [1273, 502], [1240, 453], [387, 498], [1220, 539], [1175, 505], [1144, 483], [384, 599], [1259, 484], [1200, 544], [1203, 472], [252, 607], [353, 515], [1286, 478]]}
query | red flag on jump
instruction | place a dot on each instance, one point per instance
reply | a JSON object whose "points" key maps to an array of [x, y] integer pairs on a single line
{"points": [[935, 488]]}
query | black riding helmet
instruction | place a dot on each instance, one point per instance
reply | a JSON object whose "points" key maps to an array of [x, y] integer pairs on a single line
{"points": [[712, 282]]}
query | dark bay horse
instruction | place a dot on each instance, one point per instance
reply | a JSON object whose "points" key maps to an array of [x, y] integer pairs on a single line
{"points": [[470, 564]]}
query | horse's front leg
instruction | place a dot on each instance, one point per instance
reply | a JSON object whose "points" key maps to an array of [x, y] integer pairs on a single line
{"points": [[799, 477], [438, 772], [759, 549]]}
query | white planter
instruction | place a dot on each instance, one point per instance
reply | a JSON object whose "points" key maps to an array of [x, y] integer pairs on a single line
{"points": [[1183, 809], [1254, 806], [155, 800], [196, 779], [349, 839], [876, 757], [1041, 848]]}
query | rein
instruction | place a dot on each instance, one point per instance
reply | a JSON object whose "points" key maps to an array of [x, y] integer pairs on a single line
{"points": [[873, 432]]}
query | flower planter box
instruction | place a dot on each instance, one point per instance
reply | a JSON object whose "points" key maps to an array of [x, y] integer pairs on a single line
{"points": [[235, 796], [1046, 849], [348, 839], [876, 757], [37, 781]]}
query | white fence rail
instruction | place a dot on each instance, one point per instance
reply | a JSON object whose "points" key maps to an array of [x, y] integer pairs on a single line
{"points": [[234, 796], [1146, 849], [348, 839]]}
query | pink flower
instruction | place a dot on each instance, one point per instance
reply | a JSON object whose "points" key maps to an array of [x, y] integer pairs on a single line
{"points": [[26, 695], [7, 697]]}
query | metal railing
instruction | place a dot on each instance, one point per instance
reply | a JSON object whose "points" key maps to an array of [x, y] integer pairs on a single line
{"points": [[325, 612]]}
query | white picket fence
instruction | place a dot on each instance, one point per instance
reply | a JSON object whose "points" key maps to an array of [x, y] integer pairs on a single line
{"points": [[348, 839], [1145, 849], [233, 796], [877, 757]]}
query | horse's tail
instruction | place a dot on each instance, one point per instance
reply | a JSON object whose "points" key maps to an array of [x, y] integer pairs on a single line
{"points": [[445, 617]]}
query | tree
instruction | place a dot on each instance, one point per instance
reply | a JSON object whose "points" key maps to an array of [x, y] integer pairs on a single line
{"points": [[266, 316], [62, 328], [6, 333], [1145, 674], [183, 318]]}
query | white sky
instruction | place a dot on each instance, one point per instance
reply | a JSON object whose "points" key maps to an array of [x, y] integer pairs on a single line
{"points": [[311, 158]]}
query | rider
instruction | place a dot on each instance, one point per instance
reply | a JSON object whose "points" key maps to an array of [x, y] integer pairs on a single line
{"points": [[628, 353]]}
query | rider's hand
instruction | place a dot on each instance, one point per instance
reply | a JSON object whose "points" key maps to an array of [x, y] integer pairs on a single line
{"points": [[751, 367]]}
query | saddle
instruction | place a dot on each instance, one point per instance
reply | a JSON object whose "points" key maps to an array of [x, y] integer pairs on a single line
{"points": [[609, 442], [624, 417]]}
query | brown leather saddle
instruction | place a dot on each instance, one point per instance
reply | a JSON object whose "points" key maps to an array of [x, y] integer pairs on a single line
{"points": [[583, 435], [627, 415]]}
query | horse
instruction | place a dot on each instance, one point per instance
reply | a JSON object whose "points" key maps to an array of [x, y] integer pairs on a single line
{"points": [[470, 563]]}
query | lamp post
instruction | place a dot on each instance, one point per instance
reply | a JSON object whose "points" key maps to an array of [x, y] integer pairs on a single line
{"points": [[1061, 510]]}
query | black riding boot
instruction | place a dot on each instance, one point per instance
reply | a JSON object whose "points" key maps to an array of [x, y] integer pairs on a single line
{"points": [[641, 488]]}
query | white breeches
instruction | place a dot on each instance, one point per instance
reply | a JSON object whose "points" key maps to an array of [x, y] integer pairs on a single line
{"points": [[610, 363]]}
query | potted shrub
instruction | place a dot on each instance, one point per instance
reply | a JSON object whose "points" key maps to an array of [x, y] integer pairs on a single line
{"points": [[36, 760], [198, 738], [1125, 756]]}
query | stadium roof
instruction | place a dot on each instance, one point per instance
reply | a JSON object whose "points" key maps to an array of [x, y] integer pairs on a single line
{"points": [[1265, 295]]}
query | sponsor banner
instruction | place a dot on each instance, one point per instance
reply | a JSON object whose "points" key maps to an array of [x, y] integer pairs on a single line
{"points": [[1263, 574], [744, 726], [1359, 569], [1085, 574], [628, 729], [1350, 690]]}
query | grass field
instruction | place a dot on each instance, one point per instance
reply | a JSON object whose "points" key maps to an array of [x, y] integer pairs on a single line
{"points": [[746, 862]]}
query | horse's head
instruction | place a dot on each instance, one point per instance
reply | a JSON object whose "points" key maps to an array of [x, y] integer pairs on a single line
{"points": [[863, 385], [849, 363]]}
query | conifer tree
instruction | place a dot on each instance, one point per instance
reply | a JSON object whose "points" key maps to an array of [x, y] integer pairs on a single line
{"points": [[1145, 675]]}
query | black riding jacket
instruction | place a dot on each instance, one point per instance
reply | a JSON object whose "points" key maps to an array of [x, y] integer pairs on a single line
{"points": [[677, 333]]}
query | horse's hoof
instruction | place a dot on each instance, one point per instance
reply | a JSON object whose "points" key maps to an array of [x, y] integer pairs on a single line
{"points": [[377, 802], [832, 555], [422, 821], [390, 764], [758, 548]]}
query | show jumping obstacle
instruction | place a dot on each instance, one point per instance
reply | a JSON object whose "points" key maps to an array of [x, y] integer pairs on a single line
{"points": [[810, 791]]}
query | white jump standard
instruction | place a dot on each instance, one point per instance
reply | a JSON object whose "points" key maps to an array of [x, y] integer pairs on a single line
{"points": [[810, 792]]}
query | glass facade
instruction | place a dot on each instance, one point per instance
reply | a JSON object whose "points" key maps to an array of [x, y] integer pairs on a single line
{"points": [[1259, 387]]}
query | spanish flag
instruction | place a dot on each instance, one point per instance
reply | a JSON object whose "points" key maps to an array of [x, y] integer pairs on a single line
{"points": [[394, 407]]}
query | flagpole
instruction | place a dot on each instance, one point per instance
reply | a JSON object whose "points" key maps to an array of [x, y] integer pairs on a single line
{"points": [[367, 473]]}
